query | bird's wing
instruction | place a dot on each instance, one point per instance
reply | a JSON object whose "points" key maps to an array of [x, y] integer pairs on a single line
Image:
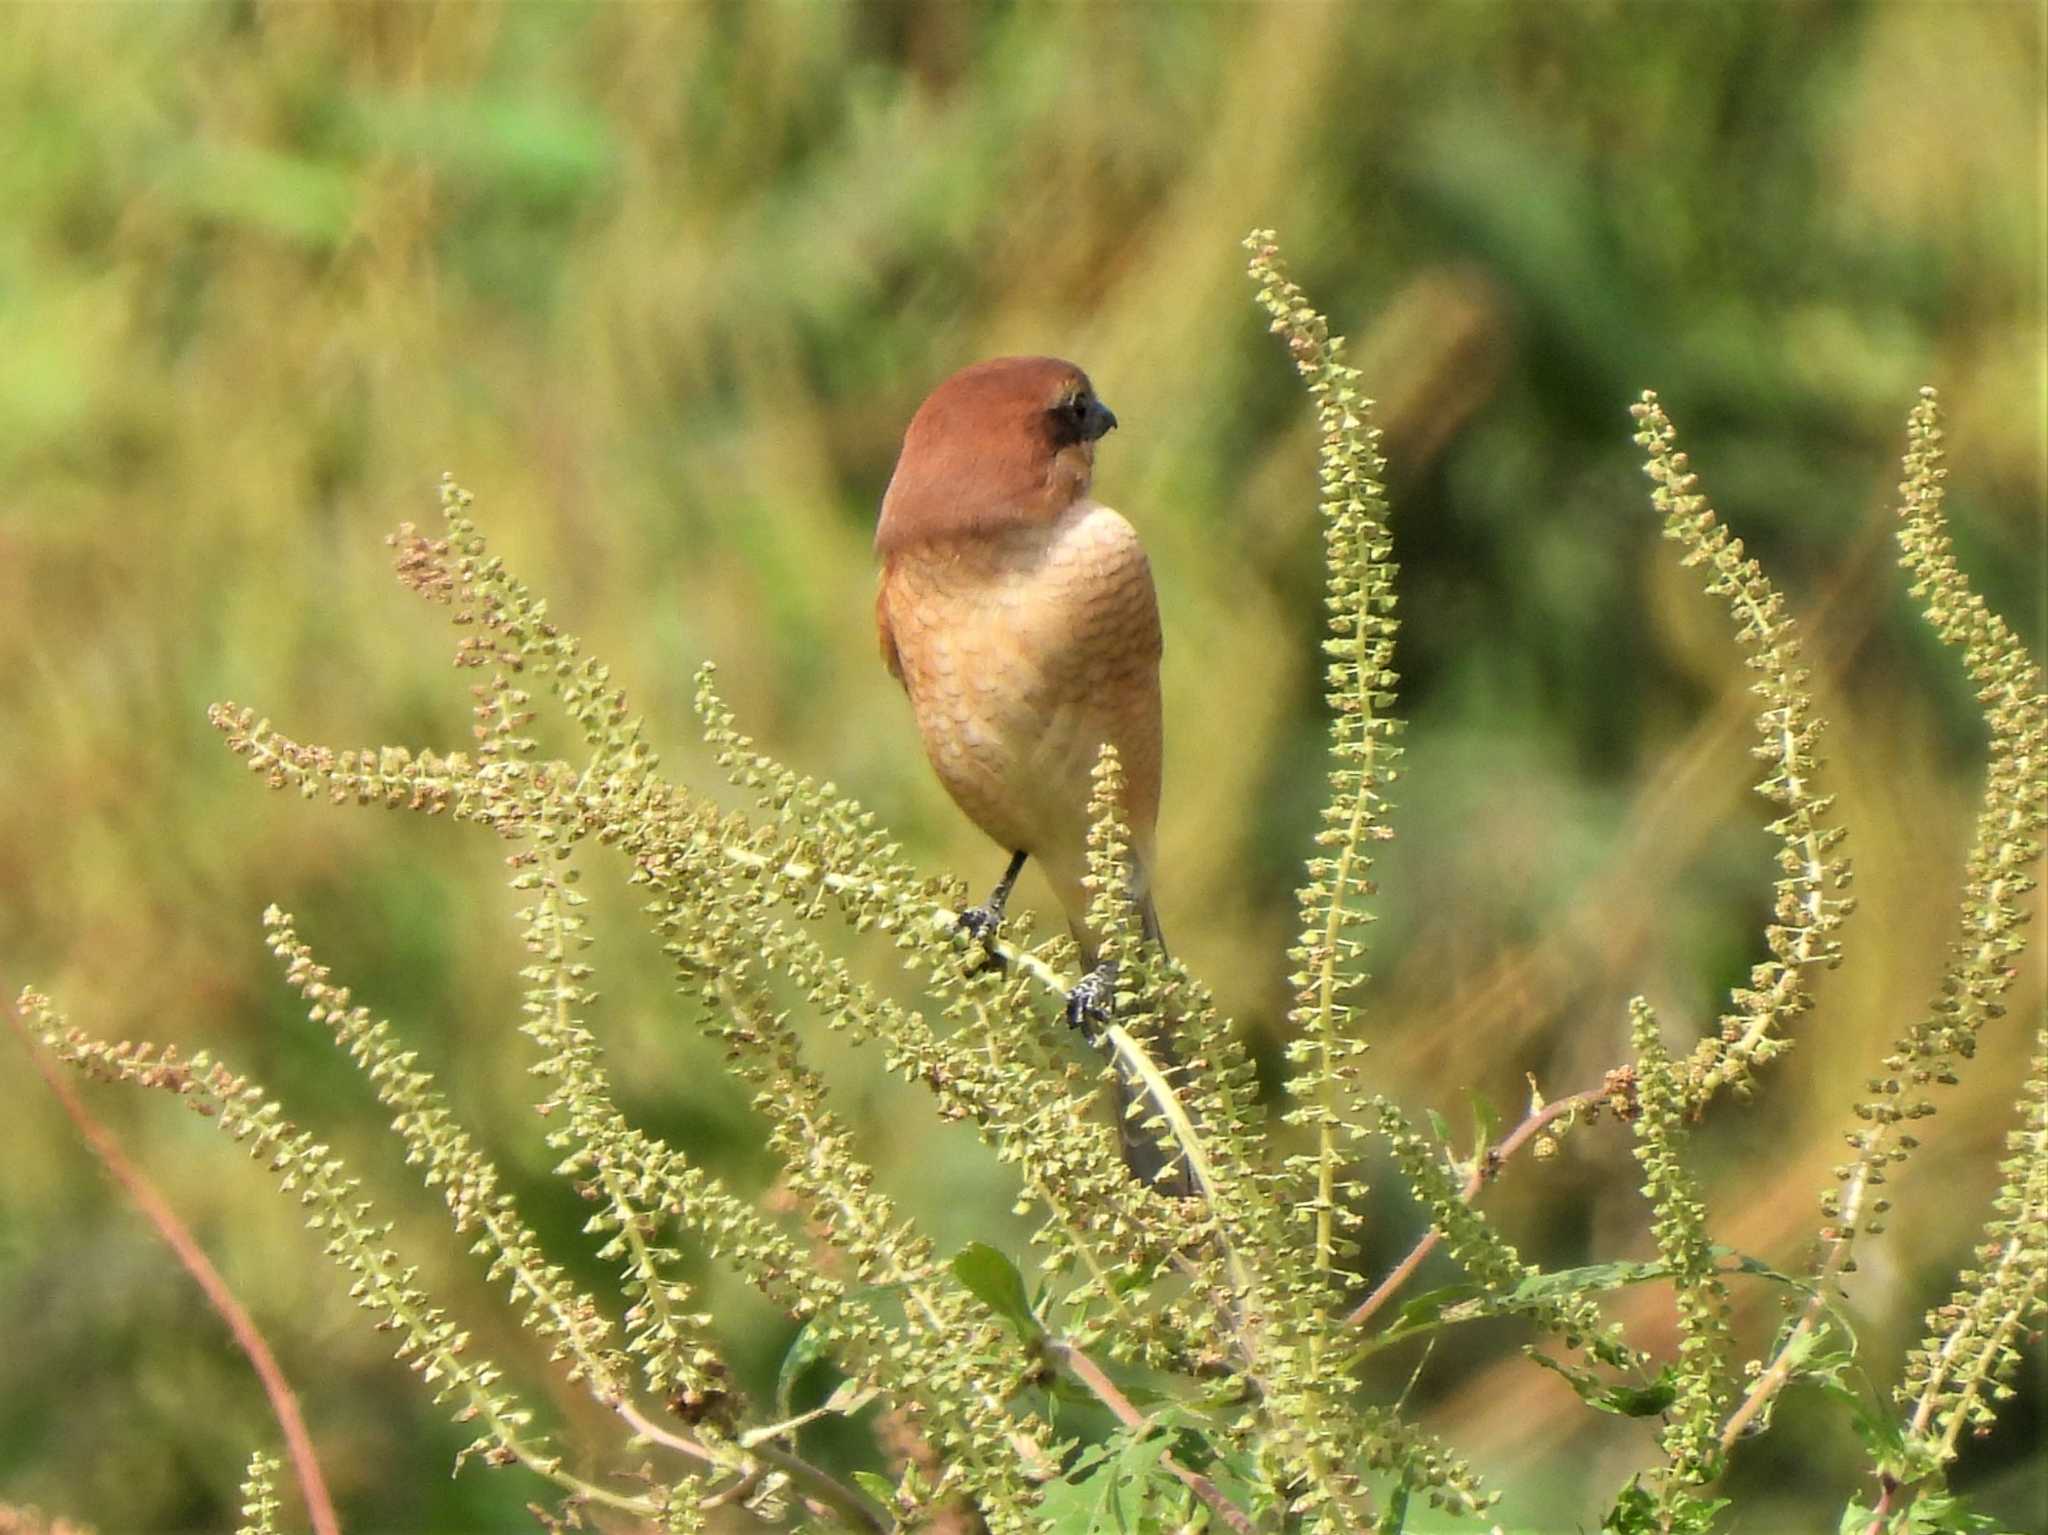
{"points": [[883, 631]]}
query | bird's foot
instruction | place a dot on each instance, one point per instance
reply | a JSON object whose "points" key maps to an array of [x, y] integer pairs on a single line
{"points": [[1092, 1002], [981, 923]]}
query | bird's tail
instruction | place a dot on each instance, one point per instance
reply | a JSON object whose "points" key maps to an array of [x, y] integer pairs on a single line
{"points": [[1150, 1153], [1148, 919]]}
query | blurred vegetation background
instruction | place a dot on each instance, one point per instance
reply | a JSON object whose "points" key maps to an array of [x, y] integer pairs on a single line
{"points": [[662, 284]]}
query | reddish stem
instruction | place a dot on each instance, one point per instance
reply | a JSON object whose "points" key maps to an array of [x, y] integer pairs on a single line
{"points": [[1091, 1375], [283, 1404], [1482, 1173]]}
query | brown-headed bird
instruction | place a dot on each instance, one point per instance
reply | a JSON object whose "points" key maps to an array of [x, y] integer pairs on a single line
{"points": [[1019, 615]]}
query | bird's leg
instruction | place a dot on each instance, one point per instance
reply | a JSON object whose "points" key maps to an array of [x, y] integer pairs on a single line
{"points": [[981, 922], [1092, 1002], [1152, 1159]]}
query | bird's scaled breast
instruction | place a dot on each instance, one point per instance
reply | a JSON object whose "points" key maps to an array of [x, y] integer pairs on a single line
{"points": [[1021, 652]]}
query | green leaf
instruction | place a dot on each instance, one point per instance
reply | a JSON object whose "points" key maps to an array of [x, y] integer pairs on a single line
{"points": [[1119, 1486], [1433, 1307], [1600, 1278], [805, 1349], [1824, 1356], [993, 1280], [1453, 1305], [876, 1486], [1943, 1513], [1085, 1499], [1591, 1279], [1634, 1512], [1624, 1401], [1639, 1401], [1070, 1507], [1395, 1519], [1639, 1512], [810, 1345], [1735, 1263], [1485, 1126]]}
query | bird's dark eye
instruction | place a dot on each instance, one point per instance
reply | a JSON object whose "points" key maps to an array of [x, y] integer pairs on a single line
{"points": [[1080, 418]]}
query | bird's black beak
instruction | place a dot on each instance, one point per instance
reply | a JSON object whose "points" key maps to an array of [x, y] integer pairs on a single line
{"points": [[1097, 421]]}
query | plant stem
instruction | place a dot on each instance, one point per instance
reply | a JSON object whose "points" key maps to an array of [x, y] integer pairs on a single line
{"points": [[284, 1404], [1090, 1374], [820, 1486], [1482, 1173]]}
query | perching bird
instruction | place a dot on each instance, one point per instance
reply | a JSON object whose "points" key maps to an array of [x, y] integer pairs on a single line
{"points": [[1019, 615]]}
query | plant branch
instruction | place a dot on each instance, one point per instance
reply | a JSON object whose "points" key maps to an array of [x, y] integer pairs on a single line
{"points": [[850, 1504], [284, 1404], [1773, 1376], [1886, 1487], [1483, 1172], [1091, 1375], [945, 920]]}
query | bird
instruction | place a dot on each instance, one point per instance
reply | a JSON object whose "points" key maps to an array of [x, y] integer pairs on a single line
{"points": [[1020, 616]]}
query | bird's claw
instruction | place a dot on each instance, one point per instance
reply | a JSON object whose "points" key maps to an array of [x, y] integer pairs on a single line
{"points": [[981, 923], [1092, 1002]]}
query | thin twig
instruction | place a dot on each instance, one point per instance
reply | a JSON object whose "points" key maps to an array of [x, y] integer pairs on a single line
{"points": [[1483, 1171], [1772, 1378], [1090, 1374], [646, 1428], [284, 1406], [945, 920], [849, 1503]]}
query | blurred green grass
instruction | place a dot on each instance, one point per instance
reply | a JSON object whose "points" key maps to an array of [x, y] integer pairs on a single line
{"points": [[662, 285]]}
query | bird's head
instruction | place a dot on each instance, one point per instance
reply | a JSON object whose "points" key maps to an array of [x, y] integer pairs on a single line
{"points": [[1003, 443]]}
